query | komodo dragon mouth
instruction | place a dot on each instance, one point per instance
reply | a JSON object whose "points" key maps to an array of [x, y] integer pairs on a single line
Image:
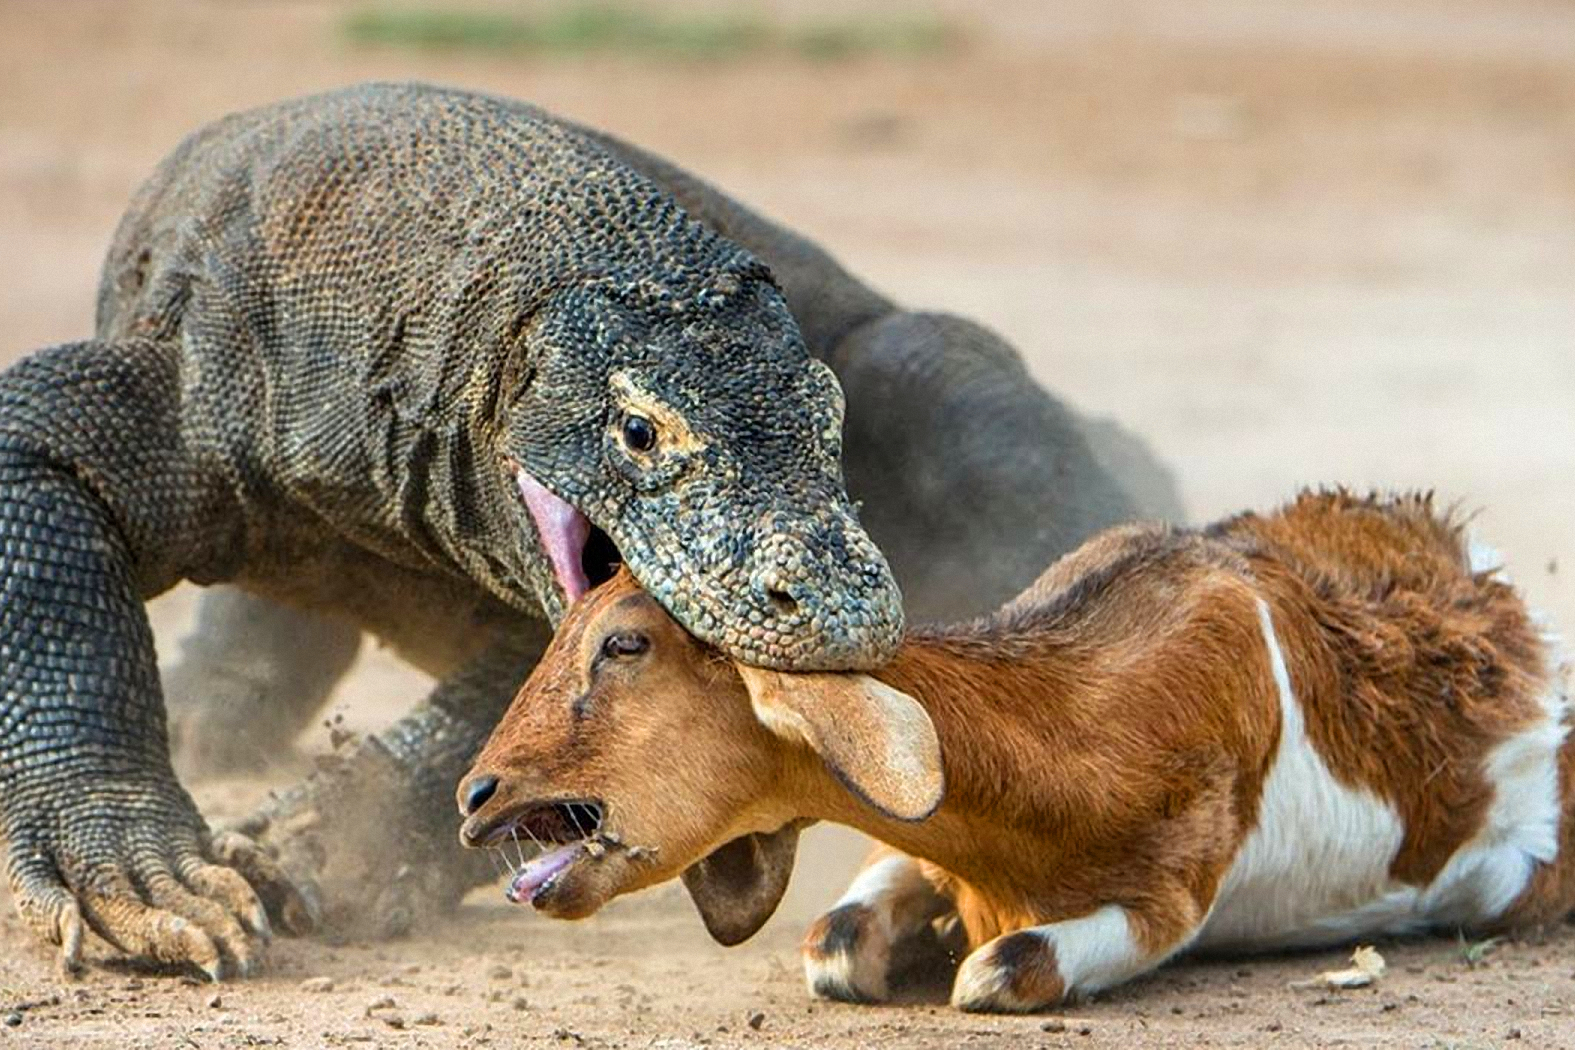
{"points": [[581, 554]]}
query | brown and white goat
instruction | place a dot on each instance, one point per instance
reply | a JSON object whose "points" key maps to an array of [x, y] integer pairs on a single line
{"points": [[1334, 721]]}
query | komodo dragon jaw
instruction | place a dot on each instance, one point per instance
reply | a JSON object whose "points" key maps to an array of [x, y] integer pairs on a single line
{"points": [[721, 490]]}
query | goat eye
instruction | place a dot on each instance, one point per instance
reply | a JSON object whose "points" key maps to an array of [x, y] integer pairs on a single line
{"points": [[625, 643], [639, 433]]}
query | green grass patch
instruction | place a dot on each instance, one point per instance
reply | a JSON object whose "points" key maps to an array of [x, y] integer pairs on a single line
{"points": [[1474, 953], [577, 29]]}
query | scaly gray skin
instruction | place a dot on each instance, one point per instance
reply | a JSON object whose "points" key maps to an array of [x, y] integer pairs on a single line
{"points": [[382, 353], [972, 478]]}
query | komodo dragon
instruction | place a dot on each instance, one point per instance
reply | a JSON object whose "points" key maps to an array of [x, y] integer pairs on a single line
{"points": [[442, 446]]}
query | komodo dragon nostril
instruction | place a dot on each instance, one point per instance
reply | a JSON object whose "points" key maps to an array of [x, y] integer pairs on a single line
{"points": [[780, 593], [478, 791]]}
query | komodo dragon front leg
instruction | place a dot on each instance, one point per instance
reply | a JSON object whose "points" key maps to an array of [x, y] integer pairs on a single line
{"points": [[93, 465]]}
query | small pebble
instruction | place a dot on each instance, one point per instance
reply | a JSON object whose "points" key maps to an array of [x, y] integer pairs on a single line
{"points": [[384, 1003], [428, 1019], [394, 1021], [756, 1020], [1053, 1025], [317, 984], [13, 1019], [500, 972], [214, 1002], [520, 1003]]}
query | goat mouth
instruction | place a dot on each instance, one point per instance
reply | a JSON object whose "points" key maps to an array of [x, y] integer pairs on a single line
{"points": [[582, 555], [566, 835], [545, 824], [538, 877]]}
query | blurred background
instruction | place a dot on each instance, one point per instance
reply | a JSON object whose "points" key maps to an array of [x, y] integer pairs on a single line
{"points": [[1286, 241]]}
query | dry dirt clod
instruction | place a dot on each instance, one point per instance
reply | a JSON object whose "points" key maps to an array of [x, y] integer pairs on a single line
{"points": [[1053, 1025], [520, 1003], [214, 1002], [428, 1018], [757, 1019], [500, 972], [317, 984], [384, 1003], [394, 1021], [1367, 966]]}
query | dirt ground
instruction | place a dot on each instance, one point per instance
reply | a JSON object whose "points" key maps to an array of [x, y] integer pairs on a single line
{"points": [[1286, 242]]}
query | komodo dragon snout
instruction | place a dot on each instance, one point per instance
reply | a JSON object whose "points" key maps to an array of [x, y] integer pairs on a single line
{"points": [[703, 442]]}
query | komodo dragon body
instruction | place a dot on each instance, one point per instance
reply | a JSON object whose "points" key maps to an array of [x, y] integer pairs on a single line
{"points": [[428, 363]]}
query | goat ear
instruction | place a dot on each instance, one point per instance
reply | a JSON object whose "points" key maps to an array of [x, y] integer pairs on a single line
{"points": [[877, 740], [739, 885]]}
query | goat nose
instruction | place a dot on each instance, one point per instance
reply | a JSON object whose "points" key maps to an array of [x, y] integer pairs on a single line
{"points": [[478, 791]]}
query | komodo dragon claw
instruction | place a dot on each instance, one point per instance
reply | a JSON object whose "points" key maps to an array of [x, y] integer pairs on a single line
{"points": [[182, 899]]}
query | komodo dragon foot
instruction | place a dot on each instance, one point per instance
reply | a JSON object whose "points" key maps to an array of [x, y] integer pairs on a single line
{"points": [[161, 887]]}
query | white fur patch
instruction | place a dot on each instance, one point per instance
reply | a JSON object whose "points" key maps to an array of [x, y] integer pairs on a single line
{"points": [[877, 884], [862, 972], [1097, 950], [833, 977], [1315, 870], [1522, 827], [1091, 953]]}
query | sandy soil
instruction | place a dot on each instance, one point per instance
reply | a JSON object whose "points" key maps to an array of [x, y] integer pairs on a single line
{"points": [[1287, 242]]}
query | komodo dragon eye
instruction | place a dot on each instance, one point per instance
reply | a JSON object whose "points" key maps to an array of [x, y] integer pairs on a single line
{"points": [[624, 643], [639, 433]]}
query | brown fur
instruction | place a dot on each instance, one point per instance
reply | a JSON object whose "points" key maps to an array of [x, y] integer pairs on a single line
{"points": [[1106, 736]]}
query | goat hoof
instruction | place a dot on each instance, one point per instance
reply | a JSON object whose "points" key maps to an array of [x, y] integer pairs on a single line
{"points": [[847, 955], [1014, 974]]}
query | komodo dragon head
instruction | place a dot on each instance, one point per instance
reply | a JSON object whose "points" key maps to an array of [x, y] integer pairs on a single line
{"points": [[690, 435], [494, 292]]}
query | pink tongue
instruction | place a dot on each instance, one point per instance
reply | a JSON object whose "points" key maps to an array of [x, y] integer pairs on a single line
{"points": [[563, 531], [536, 874]]}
